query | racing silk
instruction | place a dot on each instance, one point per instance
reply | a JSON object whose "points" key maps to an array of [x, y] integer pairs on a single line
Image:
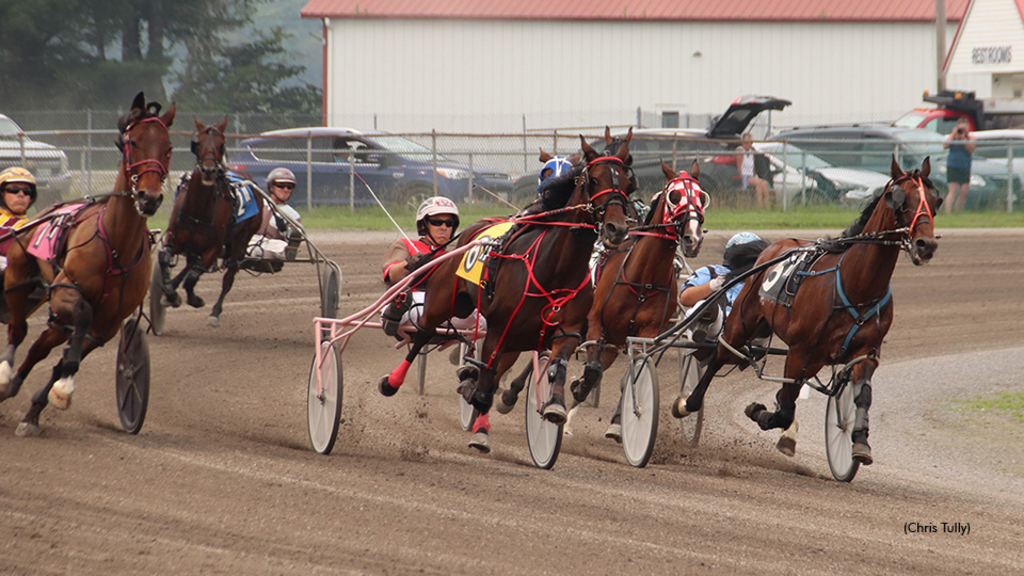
{"points": [[399, 250], [704, 275], [8, 222]]}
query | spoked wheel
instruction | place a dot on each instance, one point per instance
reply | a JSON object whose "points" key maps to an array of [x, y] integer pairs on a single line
{"points": [[467, 413], [323, 411], [839, 417], [543, 437], [330, 296], [640, 411], [690, 372], [132, 377], [157, 308]]}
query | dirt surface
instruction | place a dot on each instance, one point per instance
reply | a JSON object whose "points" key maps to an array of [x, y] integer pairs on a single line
{"points": [[222, 480]]}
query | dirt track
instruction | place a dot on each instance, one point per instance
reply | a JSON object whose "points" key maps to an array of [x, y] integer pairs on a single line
{"points": [[222, 480]]}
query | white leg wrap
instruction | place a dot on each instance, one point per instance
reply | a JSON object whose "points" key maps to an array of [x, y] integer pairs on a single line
{"points": [[60, 394], [6, 373]]}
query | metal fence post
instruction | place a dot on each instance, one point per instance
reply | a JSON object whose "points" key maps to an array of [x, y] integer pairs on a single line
{"points": [[88, 153], [433, 155], [309, 170], [525, 168], [351, 181], [1010, 178], [469, 193]]}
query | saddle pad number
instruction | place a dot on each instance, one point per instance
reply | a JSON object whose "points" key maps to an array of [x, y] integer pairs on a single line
{"points": [[244, 196], [472, 266]]}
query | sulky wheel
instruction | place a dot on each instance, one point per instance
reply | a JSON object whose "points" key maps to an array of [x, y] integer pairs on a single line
{"points": [[323, 410], [132, 377], [690, 372], [157, 305], [330, 295], [839, 417], [640, 411], [467, 413], [543, 438]]}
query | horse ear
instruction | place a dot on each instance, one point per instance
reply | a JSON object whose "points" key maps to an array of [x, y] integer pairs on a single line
{"points": [[199, 125], [588, 152], [608, 135], [668, 171], [544, 156], [926, 167], [168, 117], [629, 135], [895, 171], [695, 169], [139, 102]]}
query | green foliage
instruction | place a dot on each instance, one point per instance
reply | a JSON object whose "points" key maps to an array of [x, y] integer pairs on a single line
{"points": [[1011, 403]]}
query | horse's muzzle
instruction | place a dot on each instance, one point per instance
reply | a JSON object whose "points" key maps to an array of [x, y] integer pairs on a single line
{"points": [[922, 250], [147, 205], [614, 234], [691, 245]]}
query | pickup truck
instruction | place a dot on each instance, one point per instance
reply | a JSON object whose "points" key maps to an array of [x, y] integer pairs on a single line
{"points": [[951, 105], [47, 163]]}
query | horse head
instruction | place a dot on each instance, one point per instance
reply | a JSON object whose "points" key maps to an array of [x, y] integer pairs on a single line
{"points": [[208, 146], [683, 204], [607, 181], [145, 142], [911, 195]]}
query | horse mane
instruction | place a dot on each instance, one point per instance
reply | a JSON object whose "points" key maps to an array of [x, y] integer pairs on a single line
{"points": [[555, 192]]}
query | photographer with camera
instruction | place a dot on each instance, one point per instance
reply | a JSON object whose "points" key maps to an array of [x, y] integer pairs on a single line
{"points": [[961, 144]]}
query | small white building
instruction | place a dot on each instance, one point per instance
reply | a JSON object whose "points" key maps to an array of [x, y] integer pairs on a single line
{"points": [[981, 56], [500, 67]]}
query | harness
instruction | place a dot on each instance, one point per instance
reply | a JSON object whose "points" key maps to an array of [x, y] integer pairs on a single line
{"points": [[129, 166]]}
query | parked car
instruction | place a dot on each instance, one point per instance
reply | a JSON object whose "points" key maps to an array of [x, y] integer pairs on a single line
{"points": [[872, 148], [997, 145], [831, 183], [47, 163], [395, 168]]}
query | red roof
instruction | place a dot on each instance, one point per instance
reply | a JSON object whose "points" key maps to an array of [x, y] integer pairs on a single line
{"points": [[655, 10]]}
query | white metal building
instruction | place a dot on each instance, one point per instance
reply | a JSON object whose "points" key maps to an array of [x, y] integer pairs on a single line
{"points": [[486, 66], [981, 57]]}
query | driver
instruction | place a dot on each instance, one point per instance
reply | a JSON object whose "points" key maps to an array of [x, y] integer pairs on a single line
{"points": [[271, 241], [437, 219], [17, 194]]}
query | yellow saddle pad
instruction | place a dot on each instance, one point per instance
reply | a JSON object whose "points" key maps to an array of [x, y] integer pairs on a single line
{"points": [[472, 266]]}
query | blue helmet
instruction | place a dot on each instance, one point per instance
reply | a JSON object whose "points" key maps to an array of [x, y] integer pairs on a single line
{"points": [[558, 165], [742, 238]]}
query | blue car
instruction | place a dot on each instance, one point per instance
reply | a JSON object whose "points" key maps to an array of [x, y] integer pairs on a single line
{"points": [[345, 165]]}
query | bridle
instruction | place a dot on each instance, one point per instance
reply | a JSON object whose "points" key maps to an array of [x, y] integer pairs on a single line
{"points": [[148, 164], [618, 195], [209, 150], [692, 203], [922, 212]]}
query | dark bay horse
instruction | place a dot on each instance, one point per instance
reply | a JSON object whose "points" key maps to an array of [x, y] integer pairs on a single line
{"points": [[203, 225], [537, 292], [102, 275], [843, 308], [635, 292]]}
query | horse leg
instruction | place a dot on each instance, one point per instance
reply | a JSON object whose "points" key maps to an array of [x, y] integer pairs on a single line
{"points": [[389, 384], [164, 258], [17, 329], [195, 270], [225, 286], [797, 372], [692, 404], [29, 426], [787, 442], [860, 379], [60, 393], [507, 400], [554, 409], [481, 439], [593, 370]]}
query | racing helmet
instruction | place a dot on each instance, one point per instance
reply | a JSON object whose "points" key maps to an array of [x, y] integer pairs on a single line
{"points": [[741, 251], [742, 238], [17, 174], [558, 165], [432, 207], [281, 174]]}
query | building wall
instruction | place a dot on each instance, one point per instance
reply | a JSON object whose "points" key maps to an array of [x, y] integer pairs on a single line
{"points": [[499, 76]]}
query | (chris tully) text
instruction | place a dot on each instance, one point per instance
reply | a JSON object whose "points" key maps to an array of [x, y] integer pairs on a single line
{"points": [[958, 528]]}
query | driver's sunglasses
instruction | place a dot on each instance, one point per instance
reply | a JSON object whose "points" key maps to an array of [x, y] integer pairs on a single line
{"points": [[439, 223], [285, 186], [18, 190]]}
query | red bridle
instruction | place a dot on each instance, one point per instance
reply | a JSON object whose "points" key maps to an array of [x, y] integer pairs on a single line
{"points": [[161, 169]]}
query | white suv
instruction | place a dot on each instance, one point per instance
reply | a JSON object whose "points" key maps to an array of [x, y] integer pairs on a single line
{"points": [[47, 163]]}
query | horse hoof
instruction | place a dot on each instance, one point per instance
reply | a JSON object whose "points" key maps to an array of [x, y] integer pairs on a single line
{"points": [[554, 411], [579, 390], [212, 321], [60, 394], [27, 430], [614, 432], [386, 388], [454, 357], [506, 402], [752, 410], [679, 408], [174, 300], [481, 441], [787, 446], [6, 373], [196, 301], [862, 453]]}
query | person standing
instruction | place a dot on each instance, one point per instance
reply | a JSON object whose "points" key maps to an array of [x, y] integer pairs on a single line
{"points": [[960, 143], [745, 164]]}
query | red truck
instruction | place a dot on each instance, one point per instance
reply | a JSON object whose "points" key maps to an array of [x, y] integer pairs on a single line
{"points": [[951, 105]]}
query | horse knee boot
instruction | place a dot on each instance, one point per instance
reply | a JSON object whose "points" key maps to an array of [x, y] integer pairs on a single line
{"points": [[862, 399], [581, 387]]}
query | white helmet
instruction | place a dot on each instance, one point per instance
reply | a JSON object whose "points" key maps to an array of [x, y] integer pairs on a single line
{"points": [[281, 174], [432, 207]]}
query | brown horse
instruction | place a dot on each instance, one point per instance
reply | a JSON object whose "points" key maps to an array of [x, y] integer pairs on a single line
{"points": [[536, 292], [203, 225], [843, 308], [635, 293], [101, 276]]}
